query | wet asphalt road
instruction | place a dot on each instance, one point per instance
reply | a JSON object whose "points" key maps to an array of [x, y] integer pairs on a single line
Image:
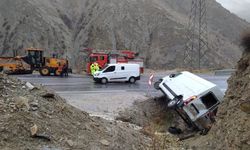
{"points": [[85, 84], [106, 100]]}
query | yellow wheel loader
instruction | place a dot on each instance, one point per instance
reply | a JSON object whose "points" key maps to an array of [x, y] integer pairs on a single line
{"points": [[33, 61]]}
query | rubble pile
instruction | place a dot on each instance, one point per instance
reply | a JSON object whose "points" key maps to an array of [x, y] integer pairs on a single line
{"points": [[155, 119], [153, 111], [33, 118]]}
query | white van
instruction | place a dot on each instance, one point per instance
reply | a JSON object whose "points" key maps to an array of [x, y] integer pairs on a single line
{"points": [[118, 73], [195, 99]]}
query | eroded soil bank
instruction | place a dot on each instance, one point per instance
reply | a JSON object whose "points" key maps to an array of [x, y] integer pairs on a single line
{"points": [[230, 131], [34, 118]]}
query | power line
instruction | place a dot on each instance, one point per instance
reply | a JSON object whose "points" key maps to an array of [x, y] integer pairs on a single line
{"points": [[196, 47]]}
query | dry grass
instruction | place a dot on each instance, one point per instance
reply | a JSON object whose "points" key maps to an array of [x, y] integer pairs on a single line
{"points": [[157, 130], [161, 140]]}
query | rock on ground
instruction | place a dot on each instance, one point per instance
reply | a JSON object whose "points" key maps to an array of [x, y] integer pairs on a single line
{"points": [[155, 118], [31, 120]]}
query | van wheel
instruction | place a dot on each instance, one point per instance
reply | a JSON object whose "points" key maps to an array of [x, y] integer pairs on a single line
{"points": [[104, 81], [132, 80], [157, 85]]}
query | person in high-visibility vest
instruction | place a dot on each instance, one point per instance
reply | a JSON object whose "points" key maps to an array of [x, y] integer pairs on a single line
{"points": [[96, 67], [92, 69]]}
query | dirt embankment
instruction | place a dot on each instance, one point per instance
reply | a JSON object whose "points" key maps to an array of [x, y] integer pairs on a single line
{"points": [[231, 130], [155, 119], [33, 118]]}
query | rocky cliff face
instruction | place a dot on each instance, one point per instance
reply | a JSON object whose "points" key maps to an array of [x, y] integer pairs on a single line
{"points": [[231, 129], [156, 28]]}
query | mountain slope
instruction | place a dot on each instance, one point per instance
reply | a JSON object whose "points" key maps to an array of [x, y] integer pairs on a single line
{"points": [[149, 27]]}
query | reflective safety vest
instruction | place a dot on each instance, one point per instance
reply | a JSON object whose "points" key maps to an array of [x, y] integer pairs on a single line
{"points": [[92, 69], [96, 67]]}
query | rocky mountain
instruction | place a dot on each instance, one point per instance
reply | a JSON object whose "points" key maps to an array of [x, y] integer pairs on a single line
{"points": [[155, 28]]}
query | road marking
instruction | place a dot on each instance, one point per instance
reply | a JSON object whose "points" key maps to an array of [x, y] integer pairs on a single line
{"points": [[64, 84]]}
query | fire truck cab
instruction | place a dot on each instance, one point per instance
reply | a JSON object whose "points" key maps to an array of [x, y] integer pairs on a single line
{"points": [[100, 58]]}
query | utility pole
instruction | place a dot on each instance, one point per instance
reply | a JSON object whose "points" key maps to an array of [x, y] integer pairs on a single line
{"points": [[196, 47]]}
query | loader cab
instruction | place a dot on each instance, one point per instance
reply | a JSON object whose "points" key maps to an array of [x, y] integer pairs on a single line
{"points": [[35, 58]]}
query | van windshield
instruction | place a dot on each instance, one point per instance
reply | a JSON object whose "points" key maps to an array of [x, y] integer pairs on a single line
{"points": [[104, 67]]}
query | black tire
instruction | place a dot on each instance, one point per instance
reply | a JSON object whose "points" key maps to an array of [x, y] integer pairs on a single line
{"points": [[29, 72], [132, 80], [174, 130], [70, 70], [57, 73], [104, 80], [44, 71], [1, 69], [157, 85]]}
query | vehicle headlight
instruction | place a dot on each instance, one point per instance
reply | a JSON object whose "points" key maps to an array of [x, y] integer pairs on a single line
{"points": [[97, 74]]}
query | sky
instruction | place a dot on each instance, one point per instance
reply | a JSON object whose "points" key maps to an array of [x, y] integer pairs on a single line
{"points": [[239, 7]]}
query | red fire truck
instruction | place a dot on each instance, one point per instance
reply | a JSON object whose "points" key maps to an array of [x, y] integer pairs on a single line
{"points": [[104, 57]]}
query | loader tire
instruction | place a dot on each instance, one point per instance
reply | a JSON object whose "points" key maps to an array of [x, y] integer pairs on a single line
{"points": [[44, 71], [57, 73]]}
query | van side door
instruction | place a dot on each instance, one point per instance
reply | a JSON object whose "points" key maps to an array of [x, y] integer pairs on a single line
{"points": [[122, 72]]}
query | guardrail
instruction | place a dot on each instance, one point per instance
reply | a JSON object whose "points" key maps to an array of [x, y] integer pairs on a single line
{"points": [[224, 72]]}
